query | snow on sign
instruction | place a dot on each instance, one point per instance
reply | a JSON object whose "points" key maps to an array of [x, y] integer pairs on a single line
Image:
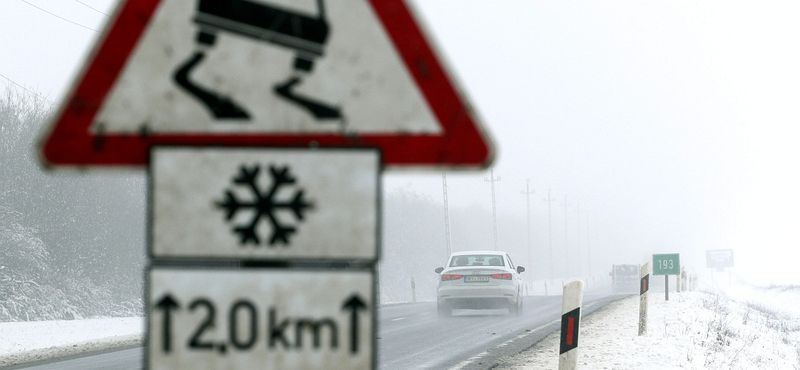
{"points": [[260, 319], [264, 203], [339, 73]]}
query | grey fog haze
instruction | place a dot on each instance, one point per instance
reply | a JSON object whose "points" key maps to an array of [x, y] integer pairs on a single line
{"points": [[658, 127]]}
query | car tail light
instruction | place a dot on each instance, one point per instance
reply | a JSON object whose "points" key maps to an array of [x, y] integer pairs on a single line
{"points": [[451, 277], [502, 276]]}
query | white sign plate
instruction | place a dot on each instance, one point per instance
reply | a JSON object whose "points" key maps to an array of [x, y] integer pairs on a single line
{"points": [[269, 204], [719, 258], [260, 319]]}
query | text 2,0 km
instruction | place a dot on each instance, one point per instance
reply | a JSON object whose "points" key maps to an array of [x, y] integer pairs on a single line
{"points": [[250, 327]]}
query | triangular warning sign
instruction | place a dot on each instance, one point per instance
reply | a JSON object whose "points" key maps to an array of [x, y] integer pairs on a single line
{"points": [[265, 73]]}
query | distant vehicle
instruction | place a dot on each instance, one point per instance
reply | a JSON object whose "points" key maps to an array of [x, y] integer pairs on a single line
{"points": [[479, 280], [624, 278]]}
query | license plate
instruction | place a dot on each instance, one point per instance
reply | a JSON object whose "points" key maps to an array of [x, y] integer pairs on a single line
{"points": [[476, 279]]}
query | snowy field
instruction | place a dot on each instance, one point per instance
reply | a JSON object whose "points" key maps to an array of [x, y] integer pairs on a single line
{"points": [[22, 342], [739, 327]]}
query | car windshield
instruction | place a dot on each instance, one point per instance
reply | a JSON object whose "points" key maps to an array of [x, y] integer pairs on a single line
{"points": [[477, 260]]}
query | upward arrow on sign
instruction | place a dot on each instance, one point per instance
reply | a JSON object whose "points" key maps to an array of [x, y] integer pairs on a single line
{"points": [[271, 73], [354, 304]]}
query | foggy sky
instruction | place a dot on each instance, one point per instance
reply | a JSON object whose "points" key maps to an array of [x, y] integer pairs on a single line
{"points": [[672, 124]]}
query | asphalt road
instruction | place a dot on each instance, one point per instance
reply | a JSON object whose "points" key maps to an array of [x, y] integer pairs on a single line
{"points": [[126, 359], [412, 336]]}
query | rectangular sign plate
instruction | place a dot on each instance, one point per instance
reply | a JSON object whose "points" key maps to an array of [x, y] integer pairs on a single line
{"points": [[719, 258], [666, 264], [264, 204], [260, 319]]}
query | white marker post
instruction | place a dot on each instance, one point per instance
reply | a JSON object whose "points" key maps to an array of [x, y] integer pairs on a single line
{"points": [[644, 286], [684, 286], [570, 325]]}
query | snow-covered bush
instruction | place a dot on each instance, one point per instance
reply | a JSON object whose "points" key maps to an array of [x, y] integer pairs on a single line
{"points": [[746, 334], [63, 254]]}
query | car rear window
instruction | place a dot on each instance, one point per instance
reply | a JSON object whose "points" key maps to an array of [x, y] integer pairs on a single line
{"points": [[477, 260]]}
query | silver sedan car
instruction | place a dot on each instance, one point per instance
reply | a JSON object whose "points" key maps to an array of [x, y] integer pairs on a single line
{"points": [[479, 280]]}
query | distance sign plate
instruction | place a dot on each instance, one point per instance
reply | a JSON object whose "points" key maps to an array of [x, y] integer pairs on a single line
{"points": [[666, 264], [260, 319]]}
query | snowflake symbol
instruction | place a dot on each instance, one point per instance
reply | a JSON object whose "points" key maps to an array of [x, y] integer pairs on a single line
{"points": [[264, 204]]}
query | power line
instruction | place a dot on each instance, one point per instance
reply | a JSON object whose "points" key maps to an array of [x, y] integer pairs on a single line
{"points": [[446, 214], [549, 201], [26, 89], [87, 5], [60, 17], [566, 237]]}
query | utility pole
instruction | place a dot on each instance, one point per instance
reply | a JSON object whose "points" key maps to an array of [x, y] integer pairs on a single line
{"points": [[566, 238], [527, 192], [494, 204], [549, 201], [578, 247], [446, 214], [588, 246]]}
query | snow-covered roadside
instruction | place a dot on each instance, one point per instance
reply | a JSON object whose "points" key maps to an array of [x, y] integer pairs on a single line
{"points": [[742, 327], [738, 328], [22, 342]]}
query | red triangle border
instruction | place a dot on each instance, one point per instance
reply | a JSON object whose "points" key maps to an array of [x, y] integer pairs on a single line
{"points": [[463, 144]]}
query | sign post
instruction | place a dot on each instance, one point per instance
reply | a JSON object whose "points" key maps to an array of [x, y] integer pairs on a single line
{"points": [[644, 287], [570, 325], [720, 259], [195, 91], [666, 264]]}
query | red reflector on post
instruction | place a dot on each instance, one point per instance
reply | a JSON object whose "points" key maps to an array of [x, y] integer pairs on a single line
{"points": [[644, 285], [570, 324], [570, 329]]}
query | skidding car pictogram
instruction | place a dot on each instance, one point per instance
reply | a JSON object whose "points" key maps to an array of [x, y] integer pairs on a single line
{"points": [[305, 35]]}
